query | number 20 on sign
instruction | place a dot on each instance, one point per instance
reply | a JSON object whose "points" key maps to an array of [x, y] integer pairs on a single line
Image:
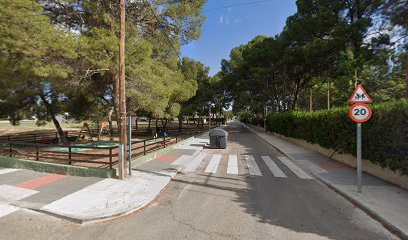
{"points": [[360, 112]]}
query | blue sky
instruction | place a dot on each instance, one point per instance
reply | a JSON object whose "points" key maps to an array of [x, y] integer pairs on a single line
{"points": [[229, 27]]}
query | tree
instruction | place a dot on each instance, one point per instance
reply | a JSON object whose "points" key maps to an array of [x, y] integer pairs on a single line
{"points": [[33, 62]]}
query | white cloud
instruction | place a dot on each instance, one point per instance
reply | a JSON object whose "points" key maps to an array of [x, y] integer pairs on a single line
{"points": [[222, 18]]}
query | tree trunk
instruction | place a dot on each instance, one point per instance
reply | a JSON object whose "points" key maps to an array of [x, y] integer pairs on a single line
{"points": [[57, 125], [296, 95], [180, 123], [199, 121], [162, 121], [150, 120], [137, 126], [406, 75]]}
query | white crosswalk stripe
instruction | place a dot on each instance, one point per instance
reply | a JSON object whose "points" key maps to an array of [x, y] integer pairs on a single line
{"points": [[6, 209], [213, 165], [273, 167], [232, 164], [252, 166], [295, 169], [191, 167]]}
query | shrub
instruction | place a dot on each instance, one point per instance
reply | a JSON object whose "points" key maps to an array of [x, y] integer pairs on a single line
{"points": [[385, 135]]}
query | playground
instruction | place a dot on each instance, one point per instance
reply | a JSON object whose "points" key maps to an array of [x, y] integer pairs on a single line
{"points": [[89, 147]]}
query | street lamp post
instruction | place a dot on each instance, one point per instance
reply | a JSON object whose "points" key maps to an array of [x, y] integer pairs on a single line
{"points": [[209, 116]]}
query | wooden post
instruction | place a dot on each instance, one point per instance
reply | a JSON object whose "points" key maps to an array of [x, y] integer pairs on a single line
{"points": [[144, 147], [69, 155], [37, 153], [122, 97]]}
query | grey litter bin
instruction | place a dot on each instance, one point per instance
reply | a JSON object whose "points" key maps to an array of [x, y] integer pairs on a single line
{"points": [[218, 138]]}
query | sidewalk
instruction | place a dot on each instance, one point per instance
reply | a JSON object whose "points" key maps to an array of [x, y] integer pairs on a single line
{"points": [[82, 199], [380, 199]]}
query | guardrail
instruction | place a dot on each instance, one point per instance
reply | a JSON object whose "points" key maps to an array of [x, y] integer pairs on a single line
{"points": [[61, 153], [89, 154]]}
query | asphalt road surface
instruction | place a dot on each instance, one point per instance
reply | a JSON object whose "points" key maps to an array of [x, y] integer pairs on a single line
{"points": [[247, 191]]}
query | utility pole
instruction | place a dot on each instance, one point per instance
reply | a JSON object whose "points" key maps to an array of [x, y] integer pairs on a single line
{"points": [[122, 96]]}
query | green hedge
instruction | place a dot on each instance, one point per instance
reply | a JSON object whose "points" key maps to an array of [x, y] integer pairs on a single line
{"points": [[385, 135], [249, 118]]}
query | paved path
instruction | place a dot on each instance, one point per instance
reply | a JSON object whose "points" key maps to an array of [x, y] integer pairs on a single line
{"points": [[248, 191], [81, 199]]}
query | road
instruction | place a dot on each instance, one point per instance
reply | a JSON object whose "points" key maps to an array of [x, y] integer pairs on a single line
{"points": [[247, 191]]}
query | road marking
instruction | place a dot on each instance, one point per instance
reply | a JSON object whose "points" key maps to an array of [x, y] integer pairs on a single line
{"points": [[8, 170], [6, 209], [41, 181], [252, 166], [295, 169], [273, 167], [232, 164], [195, 163], [182, 160], [166, 158], [15, 193], [213, 165]]}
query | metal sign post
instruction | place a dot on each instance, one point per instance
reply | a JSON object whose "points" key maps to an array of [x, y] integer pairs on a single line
{"points": [[130, 144], [360, 113], [359, 161]]}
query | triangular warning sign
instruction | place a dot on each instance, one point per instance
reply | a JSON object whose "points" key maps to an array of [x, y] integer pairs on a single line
{"points": [[360, 96]]}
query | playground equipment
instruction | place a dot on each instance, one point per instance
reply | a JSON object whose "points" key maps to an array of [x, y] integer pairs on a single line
{"points": [[104, 127], [85, 128]]}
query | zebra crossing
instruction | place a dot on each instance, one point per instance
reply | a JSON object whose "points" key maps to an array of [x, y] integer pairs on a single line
{"points": [[210, 164]]}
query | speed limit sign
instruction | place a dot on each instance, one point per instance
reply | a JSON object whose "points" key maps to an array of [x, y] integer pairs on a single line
{"points": [[360, 112]]}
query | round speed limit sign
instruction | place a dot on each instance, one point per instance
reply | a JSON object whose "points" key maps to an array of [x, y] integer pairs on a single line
{"points": [[360, 112]]}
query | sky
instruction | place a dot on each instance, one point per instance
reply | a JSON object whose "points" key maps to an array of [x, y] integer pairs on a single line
{"points": [[230, 23]]}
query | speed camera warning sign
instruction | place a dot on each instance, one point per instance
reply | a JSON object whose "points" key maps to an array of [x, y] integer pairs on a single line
{"points": [[360, 112]]}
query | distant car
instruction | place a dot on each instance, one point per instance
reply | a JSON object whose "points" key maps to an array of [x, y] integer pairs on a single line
{"points": [[143, 119]]}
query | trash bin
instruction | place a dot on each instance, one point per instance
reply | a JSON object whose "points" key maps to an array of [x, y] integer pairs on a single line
{"points": [[218, 138]]}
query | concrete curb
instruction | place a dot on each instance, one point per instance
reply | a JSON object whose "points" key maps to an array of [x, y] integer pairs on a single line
{"points": [[124, 213], [389, 226]]}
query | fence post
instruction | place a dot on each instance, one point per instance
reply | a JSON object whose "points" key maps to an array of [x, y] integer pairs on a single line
{"points": [[144, 147], [110, 158], [37, 153], [69, 155], [10, 150]]}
